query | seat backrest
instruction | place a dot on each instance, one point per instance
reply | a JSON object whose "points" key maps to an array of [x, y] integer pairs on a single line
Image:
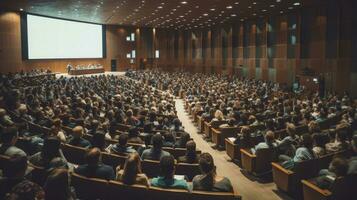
{"points": [[38, 174], [113, 160], [301, 129], [216, 124], [190, 170], [89, 188], [151, 168], [345, 188], [306, 169], [37, 129], [118, 190], [202, 195], [74, 154], [264, 159], [172, 194]]}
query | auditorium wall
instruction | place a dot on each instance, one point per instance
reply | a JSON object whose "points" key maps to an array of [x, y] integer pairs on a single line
{"points": [[320, 37], [117, 48]]}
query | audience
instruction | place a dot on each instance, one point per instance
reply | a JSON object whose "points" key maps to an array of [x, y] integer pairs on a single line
{"points": [[77, 138], [9, 138], [122, 146]]}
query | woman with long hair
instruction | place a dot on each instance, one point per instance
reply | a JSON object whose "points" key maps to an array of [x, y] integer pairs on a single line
{"points": [[132, 174], [209, 180]]}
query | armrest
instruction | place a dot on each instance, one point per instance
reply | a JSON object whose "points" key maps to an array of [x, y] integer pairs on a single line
{"points": [[316, 188], [216, 131], [245, 152], [280, 168], [229, 141]]}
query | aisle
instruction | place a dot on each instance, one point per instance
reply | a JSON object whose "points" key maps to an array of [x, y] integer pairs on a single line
{"points": [[249, 190]]}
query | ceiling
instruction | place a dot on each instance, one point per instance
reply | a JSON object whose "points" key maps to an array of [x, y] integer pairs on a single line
{"points": [[178, 14]]}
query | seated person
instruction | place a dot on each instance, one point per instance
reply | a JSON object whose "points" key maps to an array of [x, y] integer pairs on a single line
{"points": [[5, 120], [184, 138], [98, 140], [58, 186], [9, 138], [122, 146], [341, 142], [155, 152], [167, 179], [288, 144], [209, 180], [94, 167], [303, 153], [269, 142], [133, 134], [243, 139], [337, 170], [319, 145], [169, 140], [132, 173], [50, 150], [77, 138], [13, 174], [190, 156]]}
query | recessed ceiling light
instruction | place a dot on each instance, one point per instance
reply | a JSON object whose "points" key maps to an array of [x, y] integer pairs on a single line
{"points": [[212, 9], [272, 6], [278, 1], [21, 9], [296, 4], [205, 14], [159, 7], [290, 8], [281, 12], [229, 7], [254, 3], [264, 10], [249, 7], [183, 2], [233, 15], [236, 3]]}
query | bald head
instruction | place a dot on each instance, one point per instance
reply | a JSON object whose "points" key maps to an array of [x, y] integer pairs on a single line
{"points": [[77, 131]]}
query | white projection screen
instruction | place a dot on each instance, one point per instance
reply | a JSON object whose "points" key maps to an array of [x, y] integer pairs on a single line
{"points": [[50, 38]]}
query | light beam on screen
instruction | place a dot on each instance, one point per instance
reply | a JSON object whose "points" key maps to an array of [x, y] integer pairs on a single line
{"points": [[50, 38]]}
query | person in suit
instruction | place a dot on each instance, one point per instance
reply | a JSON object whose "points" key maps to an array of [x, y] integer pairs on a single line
{"points": [[155, 152], [77, 138], [190, 156], [209, 180], [132, 173], [167, 178], [94, 168]]}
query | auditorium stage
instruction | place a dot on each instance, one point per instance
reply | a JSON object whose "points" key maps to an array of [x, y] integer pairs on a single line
{"points": [[105, 73]]}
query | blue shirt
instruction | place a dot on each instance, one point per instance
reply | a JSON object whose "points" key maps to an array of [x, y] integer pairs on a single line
{"points": [[169, 183]]}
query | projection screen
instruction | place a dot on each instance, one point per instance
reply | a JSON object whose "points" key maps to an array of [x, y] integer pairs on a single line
{"points": [[50, 38]]}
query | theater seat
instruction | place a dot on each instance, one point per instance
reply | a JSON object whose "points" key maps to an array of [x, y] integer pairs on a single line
{"points": [[38, 174], [313, 192], [202, 195], [89, 188], [151, 168], [232, 150], [258, 164], [3, 161], [113, 160], [190, 170], [74, 154], [220, 134]]}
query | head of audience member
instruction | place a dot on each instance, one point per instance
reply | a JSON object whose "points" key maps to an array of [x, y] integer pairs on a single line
{"points": [[269, 124], [167, 167], [98, 140], [219, 115], [290, 129], [57, 186], [94, 125], [306, 141], [157, 142], [133, 132], [15, 167], [245, 132], [184, 138], [93, 157], [132, 168], [339, 166], [191, 150], [269, 138], [50, 149], [314, 127], [9, 135], [208, 169], [77, 132], [169, 138], [319, 140], [123, 140]]}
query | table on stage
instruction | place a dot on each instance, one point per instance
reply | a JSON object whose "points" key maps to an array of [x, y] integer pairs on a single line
{"points": [[86, 71]]}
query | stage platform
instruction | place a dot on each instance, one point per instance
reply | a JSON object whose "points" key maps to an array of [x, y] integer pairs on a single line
{"points": [[105, 73]]}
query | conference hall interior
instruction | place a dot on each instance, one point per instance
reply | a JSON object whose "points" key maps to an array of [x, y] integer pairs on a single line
{"points": [[178, 99]]}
